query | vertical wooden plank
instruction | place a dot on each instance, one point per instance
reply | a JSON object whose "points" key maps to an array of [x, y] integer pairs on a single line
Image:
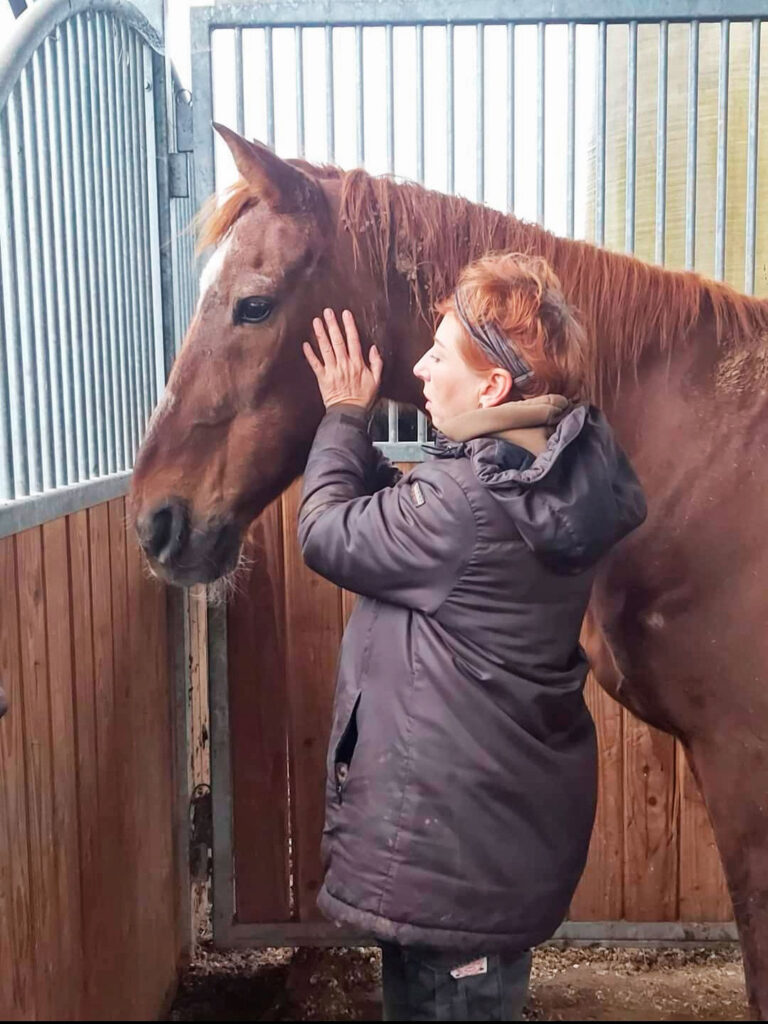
{"points": [[703, 889], [599, 896], [18, 997], [258, 727], [106, 968], [66, 852], [125, 870], [151, 760], [85, 726], [37, 754], [313, 632], [650, 823]]}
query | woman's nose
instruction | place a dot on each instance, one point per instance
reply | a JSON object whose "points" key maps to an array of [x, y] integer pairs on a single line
{"points": [[418, 371]]}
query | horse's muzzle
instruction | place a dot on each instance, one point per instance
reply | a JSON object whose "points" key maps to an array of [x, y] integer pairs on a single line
{"points": [[182, 552]]}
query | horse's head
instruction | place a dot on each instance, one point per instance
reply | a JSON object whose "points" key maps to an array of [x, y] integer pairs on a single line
{"points": [[241, 406]]}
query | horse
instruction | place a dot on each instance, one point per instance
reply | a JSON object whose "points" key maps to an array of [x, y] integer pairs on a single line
{"points": [[679, 363]]}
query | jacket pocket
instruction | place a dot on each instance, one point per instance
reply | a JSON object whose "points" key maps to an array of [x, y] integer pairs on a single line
{"points": [[345, 751]]}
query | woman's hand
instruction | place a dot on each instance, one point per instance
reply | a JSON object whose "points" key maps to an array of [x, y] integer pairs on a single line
{"points": [[343, 375]]}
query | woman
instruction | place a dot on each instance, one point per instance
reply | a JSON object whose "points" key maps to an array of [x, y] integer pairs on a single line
{"points": [[462, 763]]}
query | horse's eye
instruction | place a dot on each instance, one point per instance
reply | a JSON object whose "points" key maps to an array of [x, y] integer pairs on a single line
{"points": [[253, 310]]}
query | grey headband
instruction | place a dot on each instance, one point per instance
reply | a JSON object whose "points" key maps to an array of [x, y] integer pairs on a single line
{"points": [[494, 344]]}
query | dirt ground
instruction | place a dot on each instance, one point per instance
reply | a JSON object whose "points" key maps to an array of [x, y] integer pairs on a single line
{"points": [[575, 984]]}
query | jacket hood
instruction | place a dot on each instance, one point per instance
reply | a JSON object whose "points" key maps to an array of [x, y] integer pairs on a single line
{"points": [[574, 501]]}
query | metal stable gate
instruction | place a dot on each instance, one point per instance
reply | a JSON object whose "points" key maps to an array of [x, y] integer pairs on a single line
{"points": [[97, 284], [324, 80]]}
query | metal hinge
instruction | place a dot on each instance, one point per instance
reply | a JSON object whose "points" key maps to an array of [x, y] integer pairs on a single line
{"points": [[178, 162], [200, 833]]}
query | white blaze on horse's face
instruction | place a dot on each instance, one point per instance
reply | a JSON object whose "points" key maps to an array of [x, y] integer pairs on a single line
{"points": [[212, 270]]}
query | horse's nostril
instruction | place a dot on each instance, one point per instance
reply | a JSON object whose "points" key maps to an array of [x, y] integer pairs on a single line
{"points": [[165, 532]]}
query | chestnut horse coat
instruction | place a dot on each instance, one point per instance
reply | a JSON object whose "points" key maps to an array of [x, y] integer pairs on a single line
{"points": [[461, 780]]}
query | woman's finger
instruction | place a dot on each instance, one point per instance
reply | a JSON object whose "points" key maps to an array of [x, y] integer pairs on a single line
{"points": [[312, 359], [353, 338], [337, 338], [326, 349], [377, 364]]}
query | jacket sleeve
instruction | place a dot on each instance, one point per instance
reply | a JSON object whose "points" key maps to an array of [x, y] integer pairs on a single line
{"points": [[407, 544]]}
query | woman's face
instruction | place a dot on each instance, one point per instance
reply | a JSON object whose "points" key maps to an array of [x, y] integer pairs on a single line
{"points": [[451, 385]]}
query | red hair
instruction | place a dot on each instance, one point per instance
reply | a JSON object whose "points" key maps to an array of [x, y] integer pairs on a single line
{"points": [[522, 297]]}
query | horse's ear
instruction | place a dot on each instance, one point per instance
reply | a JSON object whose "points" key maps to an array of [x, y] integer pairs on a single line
{"points": [[281, 186]]}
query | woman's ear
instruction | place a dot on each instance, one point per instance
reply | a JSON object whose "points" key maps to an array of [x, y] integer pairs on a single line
{"points": [[496, 388]]}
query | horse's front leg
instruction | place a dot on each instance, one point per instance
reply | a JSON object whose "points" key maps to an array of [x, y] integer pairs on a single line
{"points": [[711, 698], [732, 772]]}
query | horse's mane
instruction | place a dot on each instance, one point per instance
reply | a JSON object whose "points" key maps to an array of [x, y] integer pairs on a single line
{"points": [[624, 303], [427, 237]]}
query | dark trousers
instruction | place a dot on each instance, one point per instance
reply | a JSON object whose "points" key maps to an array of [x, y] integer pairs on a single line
{"points": [[417, 984]]}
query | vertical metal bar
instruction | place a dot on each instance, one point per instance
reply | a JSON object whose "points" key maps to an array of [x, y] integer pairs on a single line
{"points": [[15, 476], [156, 288], [139, 165], [239, 83], [752, 128], [480, 116], [359, 95], [449, 127], [299, 50], [722, 148], [94, 396], [540, 121], [570, 185], [629, 198], [69, 114], [118, 213], [202, 108], [124, 151], [108, 338], [135, 240], [330, 127], [119, 367], [390, 87], [160, 100], [661, 144], [421, 427], [420, 103], [510, 116], [36, 370], [691, 160], [393, 423], [49, 339], [269, 60], [600, 144]]}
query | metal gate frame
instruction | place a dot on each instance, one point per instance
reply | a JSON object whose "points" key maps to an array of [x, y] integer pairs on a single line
{"points": [[328, 14]]}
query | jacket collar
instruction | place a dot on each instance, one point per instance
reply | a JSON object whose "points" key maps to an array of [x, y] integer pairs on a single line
{"points": [[528, 423]]}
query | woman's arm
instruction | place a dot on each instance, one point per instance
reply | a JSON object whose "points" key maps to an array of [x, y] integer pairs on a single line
{"points": [[404, 540], [407, 544]]}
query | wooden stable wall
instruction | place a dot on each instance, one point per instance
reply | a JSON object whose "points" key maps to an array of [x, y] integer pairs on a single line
{"points": [[89, 915], [652, 858]]}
